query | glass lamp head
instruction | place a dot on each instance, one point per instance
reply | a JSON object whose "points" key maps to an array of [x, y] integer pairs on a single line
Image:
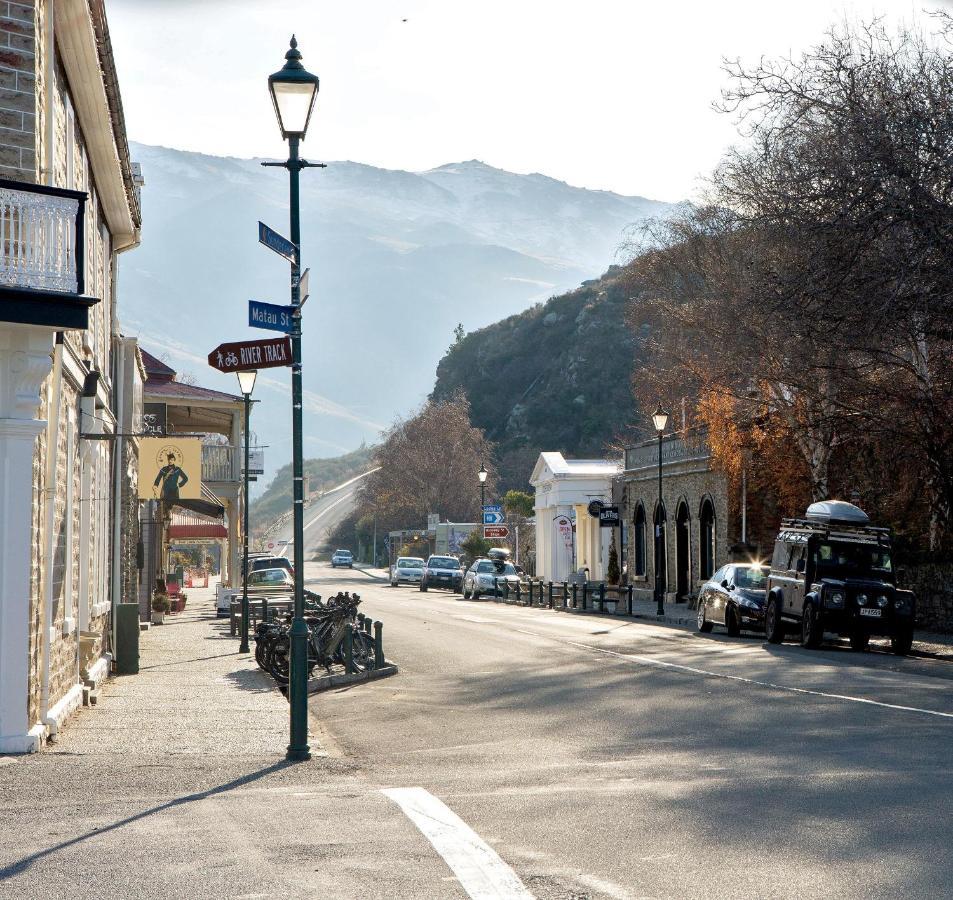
{"points": [[246, 381], [482, 473], [660, 419], [293, 91]]}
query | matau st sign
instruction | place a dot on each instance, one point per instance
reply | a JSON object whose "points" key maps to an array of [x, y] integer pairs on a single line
{"points": [[243, 356]]}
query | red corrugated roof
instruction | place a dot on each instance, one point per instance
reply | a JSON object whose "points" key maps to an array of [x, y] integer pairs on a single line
{"points": [[185, 391]]}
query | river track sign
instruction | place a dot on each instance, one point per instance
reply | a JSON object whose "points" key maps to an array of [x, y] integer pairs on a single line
{"points": [[243, 356]]}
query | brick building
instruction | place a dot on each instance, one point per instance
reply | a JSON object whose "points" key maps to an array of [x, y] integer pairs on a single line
{"points": [[69, 205]]}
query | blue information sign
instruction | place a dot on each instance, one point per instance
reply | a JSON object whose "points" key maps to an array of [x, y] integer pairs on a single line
{"points": [[270, 316], [271, 239], [492, 518]]}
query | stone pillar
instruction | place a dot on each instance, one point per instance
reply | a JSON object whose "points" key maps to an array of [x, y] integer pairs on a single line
{"points": [[25, 360]]}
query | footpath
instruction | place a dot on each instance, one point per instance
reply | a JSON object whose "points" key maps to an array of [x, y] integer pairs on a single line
{"points": [[175, 785]]}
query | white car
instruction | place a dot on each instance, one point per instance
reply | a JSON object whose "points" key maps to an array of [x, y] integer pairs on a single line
{"points": [[342, 558], [485, 576], [409, 569]]}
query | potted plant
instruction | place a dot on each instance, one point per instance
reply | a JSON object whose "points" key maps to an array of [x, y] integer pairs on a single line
{"points": [[183, 598], [160, 606], [612, 574]]}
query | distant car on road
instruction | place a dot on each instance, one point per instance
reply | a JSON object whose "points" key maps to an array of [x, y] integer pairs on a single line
{"points": [[442, 572], [487, 575], [409, 569], [342, 558], [734, 597]]}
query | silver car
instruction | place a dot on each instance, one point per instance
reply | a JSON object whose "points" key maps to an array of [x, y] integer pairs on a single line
{"points": [[407, 569], [487, 576]]}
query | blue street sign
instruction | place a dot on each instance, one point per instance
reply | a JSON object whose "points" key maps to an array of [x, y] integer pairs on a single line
{"points": [[267, 315], [492, 518], [492, 507], [274, 241]]}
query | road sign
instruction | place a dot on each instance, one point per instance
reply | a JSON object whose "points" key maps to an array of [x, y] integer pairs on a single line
{"points": [[271, 545], [609, 517], [495, 532], [492, 518], [270, 316], [274, 241], [243, 356], [303, 289], [492, 507]]}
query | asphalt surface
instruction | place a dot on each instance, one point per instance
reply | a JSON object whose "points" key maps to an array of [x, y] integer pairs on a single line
{"points": [[605, 758]]}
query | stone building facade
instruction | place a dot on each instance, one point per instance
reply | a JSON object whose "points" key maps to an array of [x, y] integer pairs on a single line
{"points": [[695, 531], [69, 205]]}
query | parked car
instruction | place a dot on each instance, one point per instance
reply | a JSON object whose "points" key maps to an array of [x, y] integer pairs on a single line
{"points": [[409, 569], [442, 572], [264, 580], [265, 561], [342, 558], [487, 575], [832, 572], [734, 597]]}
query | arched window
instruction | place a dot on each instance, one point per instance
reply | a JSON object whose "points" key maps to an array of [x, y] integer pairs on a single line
{"points": [[640, 540], [706, 541]]}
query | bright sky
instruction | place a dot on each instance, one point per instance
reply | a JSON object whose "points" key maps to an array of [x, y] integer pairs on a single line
{"points": [[612, 94]]}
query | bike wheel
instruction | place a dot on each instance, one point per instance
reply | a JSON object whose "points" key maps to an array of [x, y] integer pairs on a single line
{"points": [[279, 659], [362, 654]]}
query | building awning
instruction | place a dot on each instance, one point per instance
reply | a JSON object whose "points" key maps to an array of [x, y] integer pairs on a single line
{"points": [[209, 506], [189, 523]]}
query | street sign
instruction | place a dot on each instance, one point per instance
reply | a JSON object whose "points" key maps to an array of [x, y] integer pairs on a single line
{"points": [[303, 290], [492, 518], [492, 507], [274, 241], [495, 532], [595, 508], [256, 461], [270, 316], [243, 356], [609, 517], [271, 545]]}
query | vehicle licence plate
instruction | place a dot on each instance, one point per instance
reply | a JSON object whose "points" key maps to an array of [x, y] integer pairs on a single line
{"points": [[873, 613]]}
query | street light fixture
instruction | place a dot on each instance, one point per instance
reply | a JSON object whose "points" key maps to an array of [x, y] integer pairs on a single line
{"points": [[482, 476], [246, 384], [293, 90], [660, 420]]}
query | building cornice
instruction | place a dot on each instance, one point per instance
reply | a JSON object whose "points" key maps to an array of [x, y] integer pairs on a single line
{"points": [[76, 41]]}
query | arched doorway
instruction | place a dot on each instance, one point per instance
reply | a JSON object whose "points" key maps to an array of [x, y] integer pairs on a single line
{"points": [[683, 574], [659, 520], [706, 538]]}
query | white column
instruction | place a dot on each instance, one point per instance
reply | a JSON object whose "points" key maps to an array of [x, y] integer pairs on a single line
{"points": [[24, 363], [234, 531]]}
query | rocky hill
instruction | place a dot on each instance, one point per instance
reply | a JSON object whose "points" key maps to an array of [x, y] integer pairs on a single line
{"points": [[555, 377]]}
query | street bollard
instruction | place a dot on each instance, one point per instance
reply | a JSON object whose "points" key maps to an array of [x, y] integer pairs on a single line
{"points": [[264, 610], [549, 595], [629, 600], [531, 592], [368, 624], [565, 594], [349, 649], [585, 591], [602, 598], [575, 588], [378, 645], [519, 594]]}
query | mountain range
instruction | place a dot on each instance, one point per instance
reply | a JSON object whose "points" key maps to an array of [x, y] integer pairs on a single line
{"points": [[397, 260]]}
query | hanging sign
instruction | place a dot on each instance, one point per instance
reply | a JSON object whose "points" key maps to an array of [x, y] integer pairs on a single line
{"points": [[244, 356], [609, 517], [170, 469], [256, 461], [154, 419]]}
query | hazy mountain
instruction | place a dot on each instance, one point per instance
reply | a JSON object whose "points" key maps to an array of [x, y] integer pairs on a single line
{"points": [[397, 259]]}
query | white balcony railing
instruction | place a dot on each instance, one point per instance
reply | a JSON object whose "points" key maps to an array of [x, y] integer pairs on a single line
{"points": [[218, 463], [42, 237]]}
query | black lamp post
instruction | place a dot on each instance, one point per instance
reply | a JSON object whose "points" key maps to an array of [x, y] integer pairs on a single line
{"points": [[660, 421], [246, 383], [293, 90], [482, 476]]}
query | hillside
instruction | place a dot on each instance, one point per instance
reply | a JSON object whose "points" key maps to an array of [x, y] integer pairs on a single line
{"points": [[321, 474], [555, 377], [397, 260]]}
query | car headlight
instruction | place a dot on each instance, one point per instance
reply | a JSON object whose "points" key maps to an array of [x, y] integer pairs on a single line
{"points": [[749, 603], [836, 598], [882, 601], [861, 599]]}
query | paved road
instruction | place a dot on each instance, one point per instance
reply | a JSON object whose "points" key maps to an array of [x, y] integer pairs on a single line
{"points": [[600, 758]]}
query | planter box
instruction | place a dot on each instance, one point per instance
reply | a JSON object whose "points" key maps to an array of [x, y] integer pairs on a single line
{"points": [[158, 618]]}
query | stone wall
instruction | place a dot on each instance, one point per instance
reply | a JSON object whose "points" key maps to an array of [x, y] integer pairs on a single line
{"points": [[17, 91], [933, 586]]}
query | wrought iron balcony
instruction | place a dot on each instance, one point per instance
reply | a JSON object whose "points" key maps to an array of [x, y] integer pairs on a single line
{"points": [[219, 463], [42, 255]]}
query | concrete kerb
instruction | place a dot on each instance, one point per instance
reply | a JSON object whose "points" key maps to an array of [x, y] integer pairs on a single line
{"points": [[326, 682]]}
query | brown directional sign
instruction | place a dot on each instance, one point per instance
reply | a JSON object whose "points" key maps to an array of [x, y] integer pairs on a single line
{"points": [[243, 356], [495, 532]]}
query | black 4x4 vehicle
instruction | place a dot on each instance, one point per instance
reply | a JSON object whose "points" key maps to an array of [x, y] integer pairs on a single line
{"points": [[831, 571]]}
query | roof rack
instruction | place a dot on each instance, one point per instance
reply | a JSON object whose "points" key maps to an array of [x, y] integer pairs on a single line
{"points": [[836, 530]]}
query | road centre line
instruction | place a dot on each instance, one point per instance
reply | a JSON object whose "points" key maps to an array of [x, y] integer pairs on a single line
{"points": [[648, 661], [480, 871], [327, 509]]}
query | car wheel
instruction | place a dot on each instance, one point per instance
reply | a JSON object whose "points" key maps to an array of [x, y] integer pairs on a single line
{"points": [[902, 642], [773, 628], [811, 632], [859, 641], [732, 622], [393, 584], [704, 625], [423, 588]]}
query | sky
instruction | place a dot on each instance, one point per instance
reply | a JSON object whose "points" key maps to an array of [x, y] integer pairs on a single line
{"points": [[605, 94]]}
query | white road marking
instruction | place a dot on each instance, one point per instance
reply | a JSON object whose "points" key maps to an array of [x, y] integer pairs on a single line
{"points": [[480, 871], [327, 509], [649, 661]]}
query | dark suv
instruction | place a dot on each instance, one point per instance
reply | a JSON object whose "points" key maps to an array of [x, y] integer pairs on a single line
{"points": [[831, 572]]}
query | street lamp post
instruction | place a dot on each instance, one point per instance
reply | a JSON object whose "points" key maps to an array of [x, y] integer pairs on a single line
{"points": [[293, 91], [482, 476], [660, 421], [246, 383]]}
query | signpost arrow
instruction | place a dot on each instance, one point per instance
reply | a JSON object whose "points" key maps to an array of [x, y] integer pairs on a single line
{"points": [[274, 241], [492, 518], [244, 356], [270, 316], [495, 532]]}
